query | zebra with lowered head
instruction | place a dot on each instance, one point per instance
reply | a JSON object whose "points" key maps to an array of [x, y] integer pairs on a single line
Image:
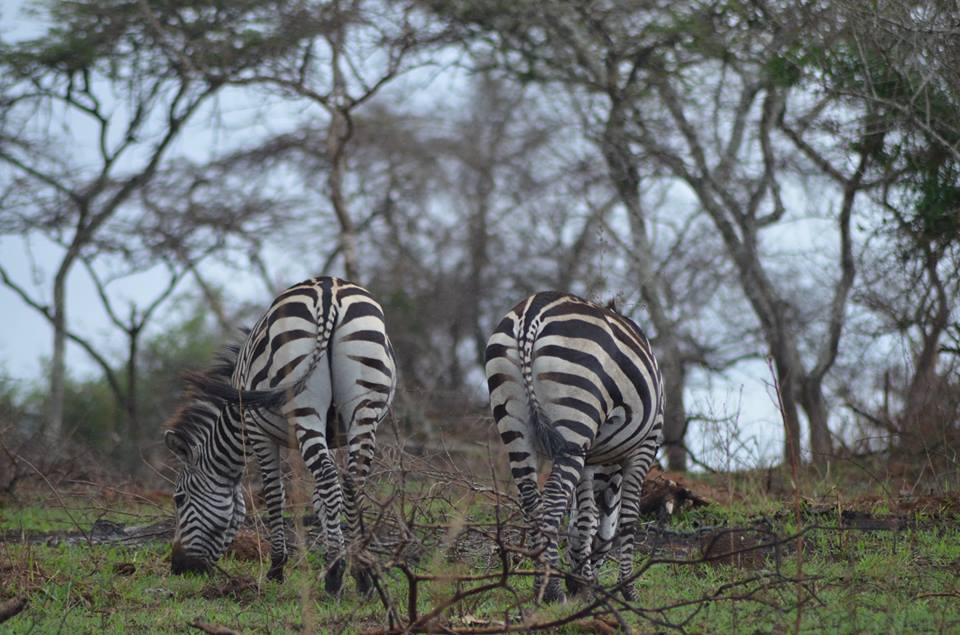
{"points": [[316, 372], [577, 385]]}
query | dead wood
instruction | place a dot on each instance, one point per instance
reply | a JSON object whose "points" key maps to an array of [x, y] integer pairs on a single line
{"points": [[669, 493], [11, 607], [213, 629]]}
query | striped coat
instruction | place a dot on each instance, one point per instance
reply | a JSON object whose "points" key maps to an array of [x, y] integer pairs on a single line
{"points": [[577, 385], [316, 372]]}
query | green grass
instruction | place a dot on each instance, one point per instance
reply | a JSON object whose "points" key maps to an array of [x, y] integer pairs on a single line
{"points": [[853, 582], [54, 517]]}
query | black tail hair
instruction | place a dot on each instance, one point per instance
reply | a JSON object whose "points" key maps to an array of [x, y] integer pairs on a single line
{"points": [[550, 439], [213, 387]]}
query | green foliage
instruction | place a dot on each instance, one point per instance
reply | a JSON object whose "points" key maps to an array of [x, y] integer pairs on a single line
{"points": [[92, 413], [159, 38], [914, 123], [12, 411], [189, 344], [783, 72], [936, 187]]}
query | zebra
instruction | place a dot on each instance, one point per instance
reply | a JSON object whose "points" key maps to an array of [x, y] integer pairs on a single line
{"points": [[576, 384], [594, 519], [316, 372]]}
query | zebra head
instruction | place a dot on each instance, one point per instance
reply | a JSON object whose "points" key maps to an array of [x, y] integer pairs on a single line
{"points": [[209, 508]]}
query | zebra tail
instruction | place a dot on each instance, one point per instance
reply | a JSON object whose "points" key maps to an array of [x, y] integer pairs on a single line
{"points": [[548, 437], [211, 387], [322, 349]]}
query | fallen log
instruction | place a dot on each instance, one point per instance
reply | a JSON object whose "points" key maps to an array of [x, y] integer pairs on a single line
{"points": [[11, 607], [667, 494]]}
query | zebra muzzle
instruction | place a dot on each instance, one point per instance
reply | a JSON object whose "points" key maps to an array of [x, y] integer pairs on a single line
{"points": [[181, 562]]}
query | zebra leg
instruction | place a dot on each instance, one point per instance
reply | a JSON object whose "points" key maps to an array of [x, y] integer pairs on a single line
{"points": [[633, 474], [328, 502], [607, 491], [268, 458], [563, 479], [585, 525], [511, 411], [307, 412], [359, 457]]}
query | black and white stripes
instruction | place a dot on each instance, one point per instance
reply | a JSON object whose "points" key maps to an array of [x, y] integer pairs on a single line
{"points": [[316, 372], [573, 385], [576, 384]]}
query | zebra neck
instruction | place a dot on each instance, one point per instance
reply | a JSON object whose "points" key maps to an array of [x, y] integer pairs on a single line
{"points": [[222, 454]]}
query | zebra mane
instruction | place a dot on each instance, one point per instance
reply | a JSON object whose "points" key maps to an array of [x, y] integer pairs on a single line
{"points": [[201, 406], [611, 305]]}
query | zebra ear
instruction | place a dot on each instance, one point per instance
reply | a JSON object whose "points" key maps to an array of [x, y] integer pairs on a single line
{"points": [[178, 444]]}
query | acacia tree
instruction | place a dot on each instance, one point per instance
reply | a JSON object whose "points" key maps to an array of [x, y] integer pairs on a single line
{"points": [[336, 55], [117, 83], [95, 83], [454, 202], [900, 61]]}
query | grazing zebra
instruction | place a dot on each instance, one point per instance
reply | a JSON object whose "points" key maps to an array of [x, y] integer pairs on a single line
{"points": [[576, 384], [316, 372]]}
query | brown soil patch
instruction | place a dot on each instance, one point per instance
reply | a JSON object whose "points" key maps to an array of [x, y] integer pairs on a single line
{"points": [[239, 589], [249, 546]]}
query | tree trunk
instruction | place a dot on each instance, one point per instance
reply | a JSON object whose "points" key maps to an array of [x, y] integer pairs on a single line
{"points": [[918, 420], [54, 425], [132, 407], [479, 237], [336, 140], [814, 406], [338, 134], [623, 172], [786, 366], [674, 413]]}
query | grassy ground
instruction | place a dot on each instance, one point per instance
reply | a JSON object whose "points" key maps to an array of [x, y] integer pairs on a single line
{"points": [[875, 565]]}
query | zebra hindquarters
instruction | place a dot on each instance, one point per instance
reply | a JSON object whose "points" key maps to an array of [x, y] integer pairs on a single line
{"points": [[511, 412], [364, 381]]}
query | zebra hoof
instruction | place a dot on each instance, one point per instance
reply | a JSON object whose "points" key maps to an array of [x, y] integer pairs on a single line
{"points": [[581, 584], [573, 584], [364, 578], [629, 593], [275, 572], [333, 580], [553, 594]]}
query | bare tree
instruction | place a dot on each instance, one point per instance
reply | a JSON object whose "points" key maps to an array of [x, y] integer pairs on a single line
{"points": [[601, 55], [336, 55], [99, 81]]}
